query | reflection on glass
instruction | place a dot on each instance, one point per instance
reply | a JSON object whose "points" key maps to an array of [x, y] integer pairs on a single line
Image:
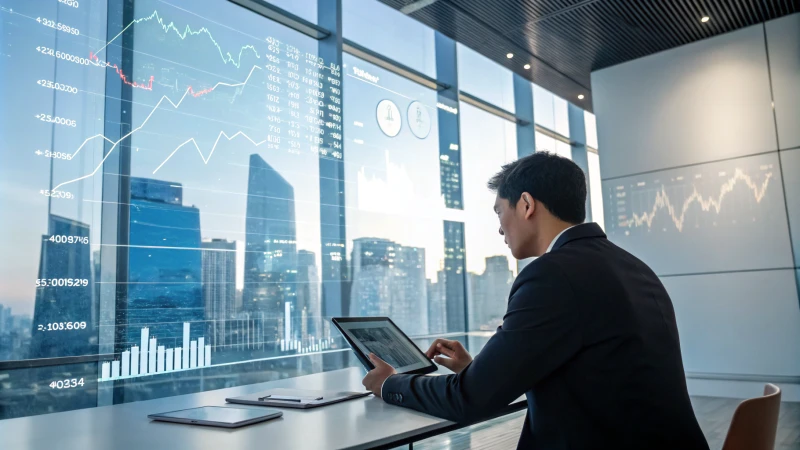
{"points": [[394, 205], [488, 142]]}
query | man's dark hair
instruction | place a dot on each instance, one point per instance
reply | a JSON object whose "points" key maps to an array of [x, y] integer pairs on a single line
{"points": [[557, 182]]}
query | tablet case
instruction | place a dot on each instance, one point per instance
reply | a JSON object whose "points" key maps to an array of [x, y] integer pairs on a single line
{"points": [[296, 398]]}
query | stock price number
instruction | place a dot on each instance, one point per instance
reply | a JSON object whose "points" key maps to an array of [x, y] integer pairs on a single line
{"points": [[61, 282], [54, 155], [63, 239], [58, 26], [57, 194], [71, 3], [65, 56], [68, 383], [62, 326], [57, 86], [57, 120]]}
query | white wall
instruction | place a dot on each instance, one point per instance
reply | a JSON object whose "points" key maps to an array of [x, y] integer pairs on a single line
{"points": [[667, 117]]}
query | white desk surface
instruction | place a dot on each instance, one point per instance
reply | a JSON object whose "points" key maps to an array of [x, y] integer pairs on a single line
{"points": [[355, 424]]}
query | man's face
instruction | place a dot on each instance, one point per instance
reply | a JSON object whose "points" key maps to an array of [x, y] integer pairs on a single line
{"points": [[515, 224]]}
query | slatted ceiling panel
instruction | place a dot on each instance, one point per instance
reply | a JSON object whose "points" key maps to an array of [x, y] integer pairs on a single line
{"points": [[511, 15], [565, 40]]}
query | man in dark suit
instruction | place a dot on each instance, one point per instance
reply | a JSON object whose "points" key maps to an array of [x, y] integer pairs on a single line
{"points": [[589, 335]]}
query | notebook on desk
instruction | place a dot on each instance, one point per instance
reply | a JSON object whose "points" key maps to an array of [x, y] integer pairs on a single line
{"points": [[296, 398]]}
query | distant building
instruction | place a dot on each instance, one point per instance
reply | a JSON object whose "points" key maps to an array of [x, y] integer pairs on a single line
{"points": [[389, 280], [219, 288], [164, 265], [270, 265], [409, 300], [437, 306], [489, 293], [455, 276], [309, 300], [55, 303]]}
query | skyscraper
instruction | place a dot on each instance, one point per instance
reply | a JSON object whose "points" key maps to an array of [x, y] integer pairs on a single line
{"points": [[489, 293], [219, 288], [455, 272], [437, 307], [165, 264], [61, 303], [270, 264], [389, 280], [371, 263], [409, 299], [309, 306]]}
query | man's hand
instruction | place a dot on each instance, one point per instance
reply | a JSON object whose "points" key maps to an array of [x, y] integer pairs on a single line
{"points": [[457, 356], [375, 378]]}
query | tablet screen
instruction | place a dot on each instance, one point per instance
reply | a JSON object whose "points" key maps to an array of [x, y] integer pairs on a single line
{"points": [[216, 414], [382, 338]]}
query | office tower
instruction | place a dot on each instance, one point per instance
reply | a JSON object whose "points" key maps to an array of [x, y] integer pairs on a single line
{"points": [[165, 265], [372, 262], [450, 172], [489, 293], [309, 300], [389, 280], [55, 303], [157, 190], [454, 260], [270, 245], [409, 299], [5, 319], [437, 307], [219, 288]]}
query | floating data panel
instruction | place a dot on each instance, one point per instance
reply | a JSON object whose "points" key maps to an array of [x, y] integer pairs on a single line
{"points": [[738, 323], [392, 190], [720, 216]]}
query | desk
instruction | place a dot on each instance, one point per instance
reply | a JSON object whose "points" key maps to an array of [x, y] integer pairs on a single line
{"points": [[356, 424]]}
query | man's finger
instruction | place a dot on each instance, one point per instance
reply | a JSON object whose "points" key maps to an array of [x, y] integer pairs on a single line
{"points": [[447, 351], [376, 360], [433, 351], [447, 362]]}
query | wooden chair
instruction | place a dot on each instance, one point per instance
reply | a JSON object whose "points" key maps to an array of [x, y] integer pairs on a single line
{"points": [[755, 422]]}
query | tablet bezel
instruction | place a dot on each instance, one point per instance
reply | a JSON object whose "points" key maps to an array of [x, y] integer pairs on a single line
{"points": [[267, 414], [364, 359]]}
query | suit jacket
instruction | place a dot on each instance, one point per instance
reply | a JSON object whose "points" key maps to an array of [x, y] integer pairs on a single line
{"points": [[590, 338]]}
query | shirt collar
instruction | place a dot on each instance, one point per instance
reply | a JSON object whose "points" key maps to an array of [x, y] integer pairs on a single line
{"points": [[558, 236]]}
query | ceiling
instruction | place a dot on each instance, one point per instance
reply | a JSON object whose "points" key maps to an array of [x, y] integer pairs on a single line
{"points": [[565, 40]]}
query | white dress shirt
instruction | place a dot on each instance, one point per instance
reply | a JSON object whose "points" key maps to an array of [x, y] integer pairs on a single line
{"points": [[550, 247]]}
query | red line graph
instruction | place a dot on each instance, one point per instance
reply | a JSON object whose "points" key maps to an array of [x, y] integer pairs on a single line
{"points": [[147, 87]]}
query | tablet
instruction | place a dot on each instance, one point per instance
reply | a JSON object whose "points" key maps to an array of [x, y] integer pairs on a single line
{"points": [[379, 335], [218, 416]]}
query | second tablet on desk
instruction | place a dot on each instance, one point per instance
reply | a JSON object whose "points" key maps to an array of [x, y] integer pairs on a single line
{"points": [[296, 398]]}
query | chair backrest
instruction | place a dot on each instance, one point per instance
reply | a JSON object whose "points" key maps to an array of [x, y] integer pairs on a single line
{"points": [[755, 422]]}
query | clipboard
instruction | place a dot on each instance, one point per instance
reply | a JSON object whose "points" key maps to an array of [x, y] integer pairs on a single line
{"points": [[296, 398]]}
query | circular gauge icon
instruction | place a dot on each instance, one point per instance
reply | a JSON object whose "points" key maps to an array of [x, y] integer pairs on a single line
{"points": [[389, 119], [419, 120]]}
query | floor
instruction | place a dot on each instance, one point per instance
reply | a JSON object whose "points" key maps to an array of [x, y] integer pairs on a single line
{"points": [[714, 415]]}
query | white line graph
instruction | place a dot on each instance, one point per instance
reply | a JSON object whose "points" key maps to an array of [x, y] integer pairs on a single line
{"points": [[226, 56], [678, 217], [115, 144], [214, 147]]}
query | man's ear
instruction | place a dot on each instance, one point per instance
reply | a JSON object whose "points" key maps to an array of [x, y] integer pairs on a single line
{"points": [[530, 204]]}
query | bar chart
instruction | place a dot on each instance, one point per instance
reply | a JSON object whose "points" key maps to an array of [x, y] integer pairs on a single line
{"points": [[150, 358]]}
